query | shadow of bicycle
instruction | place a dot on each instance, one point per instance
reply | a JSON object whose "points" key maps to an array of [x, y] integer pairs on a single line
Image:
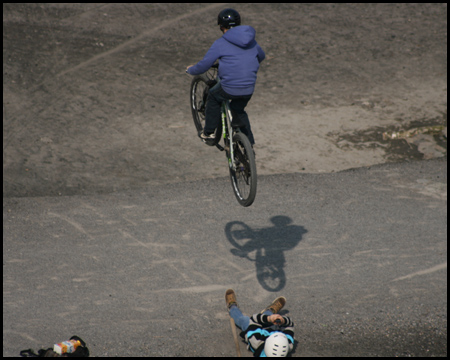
{"points": [[266, 248]]}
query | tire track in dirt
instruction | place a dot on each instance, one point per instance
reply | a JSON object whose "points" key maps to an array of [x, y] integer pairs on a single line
{"points": [[137, 38], [23, 125]]}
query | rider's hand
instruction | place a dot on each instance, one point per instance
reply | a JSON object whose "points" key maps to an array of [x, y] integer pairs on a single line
{"points": [[189, 67], [276, 319]]}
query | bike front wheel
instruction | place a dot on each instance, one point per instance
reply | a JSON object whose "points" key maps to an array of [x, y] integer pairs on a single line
{"points": [[243, 175], [199, 93]]}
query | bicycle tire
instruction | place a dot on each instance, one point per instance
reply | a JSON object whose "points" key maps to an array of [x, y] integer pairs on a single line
{"points": [[199, 92], [243, 178]]}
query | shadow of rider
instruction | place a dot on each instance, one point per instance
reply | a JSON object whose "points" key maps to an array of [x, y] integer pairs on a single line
{"points": [[268, 246]]}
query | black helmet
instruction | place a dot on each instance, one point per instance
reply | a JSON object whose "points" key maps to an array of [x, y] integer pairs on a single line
{"points": [[228, 18]]}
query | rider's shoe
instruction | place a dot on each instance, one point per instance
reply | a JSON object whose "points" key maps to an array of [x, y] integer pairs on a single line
{"points": [[208, 139], [230, 299], [276, 305]]}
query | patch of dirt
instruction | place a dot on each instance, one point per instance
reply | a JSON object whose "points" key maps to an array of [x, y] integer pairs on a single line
{"points": [[418, 140], [95, 98]]}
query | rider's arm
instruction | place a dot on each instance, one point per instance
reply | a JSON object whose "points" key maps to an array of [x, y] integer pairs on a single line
{"points": [[208, 60]]}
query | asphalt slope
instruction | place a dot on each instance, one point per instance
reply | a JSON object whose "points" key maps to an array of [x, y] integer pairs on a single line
{"points": [[360, 255]]}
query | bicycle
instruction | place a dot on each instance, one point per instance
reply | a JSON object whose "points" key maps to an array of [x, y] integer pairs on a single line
{"points": [[241, 157]]}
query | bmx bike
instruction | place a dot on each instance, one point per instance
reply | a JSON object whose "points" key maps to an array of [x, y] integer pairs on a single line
{"points": [[237, 147]]}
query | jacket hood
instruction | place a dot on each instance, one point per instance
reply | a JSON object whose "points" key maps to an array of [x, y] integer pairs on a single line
{"points": [[242, 36]]}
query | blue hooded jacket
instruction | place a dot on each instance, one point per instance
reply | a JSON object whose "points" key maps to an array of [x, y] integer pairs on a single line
{"points": [[239, 56]]}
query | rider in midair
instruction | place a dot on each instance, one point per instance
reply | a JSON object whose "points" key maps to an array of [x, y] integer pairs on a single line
{"points": [[239, 57]]}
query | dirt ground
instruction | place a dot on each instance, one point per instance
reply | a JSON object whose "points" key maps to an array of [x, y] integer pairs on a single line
{"points": [[95, 98]]}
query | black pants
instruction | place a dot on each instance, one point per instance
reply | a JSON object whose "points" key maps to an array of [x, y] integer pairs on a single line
{"points": [[214, 101]]}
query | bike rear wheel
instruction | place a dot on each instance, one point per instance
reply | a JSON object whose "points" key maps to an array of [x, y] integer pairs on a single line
{"points": [[243, 177], [199, 93]]}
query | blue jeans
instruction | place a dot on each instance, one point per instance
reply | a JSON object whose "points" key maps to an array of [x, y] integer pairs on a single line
{"points": [[241, 320], [213, 117]]}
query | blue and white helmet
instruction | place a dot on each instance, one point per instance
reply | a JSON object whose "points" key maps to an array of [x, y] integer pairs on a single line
{"points": [[277, 345]]}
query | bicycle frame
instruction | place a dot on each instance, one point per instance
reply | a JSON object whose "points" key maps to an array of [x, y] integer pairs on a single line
{"points": [[228, 130]]}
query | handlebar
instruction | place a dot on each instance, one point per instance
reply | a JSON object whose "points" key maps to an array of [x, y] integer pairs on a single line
{"points": [[214, 66]]}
